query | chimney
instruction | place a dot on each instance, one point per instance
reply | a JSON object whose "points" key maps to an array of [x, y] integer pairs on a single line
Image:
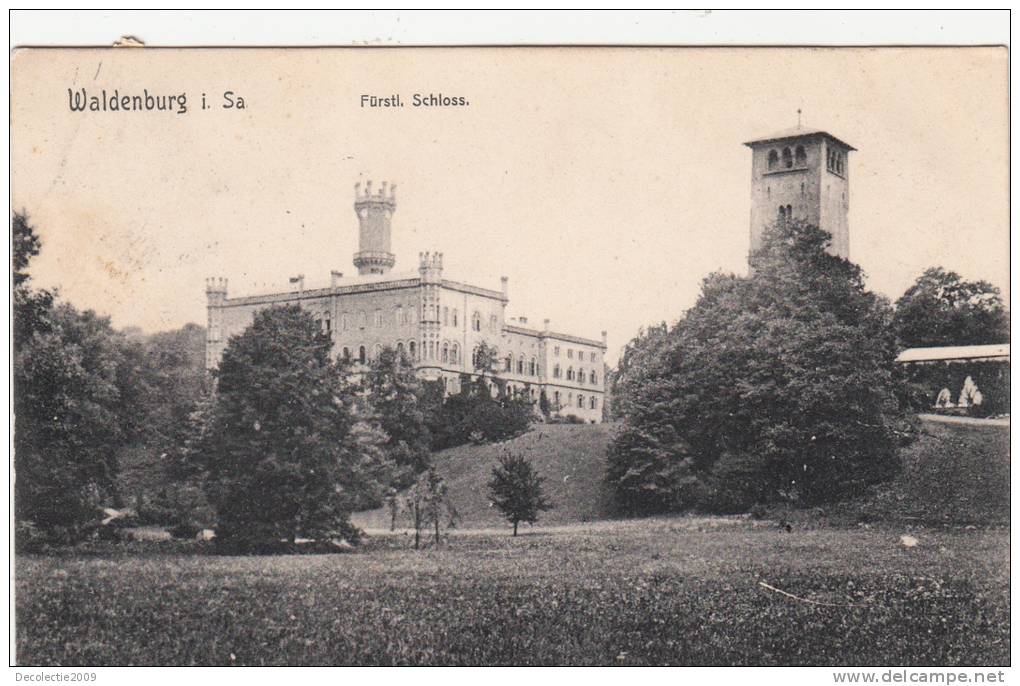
{"points": [[522, 320], [334, 278], [504, 280]]}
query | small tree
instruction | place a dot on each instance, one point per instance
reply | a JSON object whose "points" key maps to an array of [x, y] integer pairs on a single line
{"points": [[428, 504], [516, 490]]}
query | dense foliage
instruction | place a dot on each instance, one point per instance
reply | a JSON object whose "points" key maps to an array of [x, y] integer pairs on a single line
{"points": [[516, 490], [774, 387], [75, 405], [288, 451], [941, 308], [474, 415], [397, 397]]}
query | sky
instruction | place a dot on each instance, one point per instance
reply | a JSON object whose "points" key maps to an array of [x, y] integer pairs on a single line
{"points": [[606, 183]]}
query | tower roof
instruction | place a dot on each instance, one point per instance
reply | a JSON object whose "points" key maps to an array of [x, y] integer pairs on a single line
{"points": [[796, 132]]}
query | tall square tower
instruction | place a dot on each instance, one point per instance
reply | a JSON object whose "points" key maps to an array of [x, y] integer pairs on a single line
{"points": [[803, 175]]}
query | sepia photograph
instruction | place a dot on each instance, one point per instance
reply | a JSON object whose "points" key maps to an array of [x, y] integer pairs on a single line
{"points": [[511, 356]]}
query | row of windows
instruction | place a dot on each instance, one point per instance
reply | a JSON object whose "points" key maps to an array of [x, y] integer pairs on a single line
{"points": [[520, 366], [593, 356], [449, 353], [578, 376], [592, 401], [788, 158]]}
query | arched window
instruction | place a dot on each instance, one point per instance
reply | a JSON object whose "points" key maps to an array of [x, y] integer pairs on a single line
{"points": [[412, 350], [400, 349], [593, 402], [532, 367], [556, 372], [362, 357], [347, 353], [455, 316], [446, 352], [593, 377], [782, 216], [556, 399], [492, 322], [773, 159], [580, 401], [476, 322], [455, 354], [508, 363], [570, 373], [787, 158], [801, 156], [580, 376], [789, 213]]}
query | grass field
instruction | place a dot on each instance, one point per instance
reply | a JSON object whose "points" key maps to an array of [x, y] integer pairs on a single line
{"points": [[682, 591], [679, 591]]}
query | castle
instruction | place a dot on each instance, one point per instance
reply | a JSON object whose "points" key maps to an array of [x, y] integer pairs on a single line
{"points": [[436, 322], [801, 174]]}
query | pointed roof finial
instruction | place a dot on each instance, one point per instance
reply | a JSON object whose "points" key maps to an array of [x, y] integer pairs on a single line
{"points": [[798, 117]]}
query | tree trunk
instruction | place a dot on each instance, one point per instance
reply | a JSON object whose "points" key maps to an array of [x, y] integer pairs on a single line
{"points": [[515, 527]]}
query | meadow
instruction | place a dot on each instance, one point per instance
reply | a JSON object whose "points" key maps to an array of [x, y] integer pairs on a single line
{"points": [[680, 591], [579, 589]]}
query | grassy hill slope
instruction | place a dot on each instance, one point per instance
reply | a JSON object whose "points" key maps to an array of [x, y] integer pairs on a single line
{"points": [[571, 457]]}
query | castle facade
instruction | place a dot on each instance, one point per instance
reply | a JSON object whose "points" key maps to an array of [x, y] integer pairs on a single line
{"points": [[438, 323]]}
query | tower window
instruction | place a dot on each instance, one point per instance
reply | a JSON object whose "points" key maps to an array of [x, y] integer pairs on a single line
{"points": [[787, 158], [801, 156], [520, 366], [773, 159], [476, 322], [362, 357], [412, 350]]}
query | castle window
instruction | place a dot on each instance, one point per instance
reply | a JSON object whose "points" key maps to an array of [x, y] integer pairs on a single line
{"points": [[520, 366], [782, 215], [509, 363], [556, 351], [347, 353], [476, 322], [800, 156], [594, 402], [455, 316], [570, 353], [556, 372], [455, 354], [362, 357], [411, 350], [532, 367], [378, 317], [773, 159], [593, 377], [446, 352], [492, 322], [787, 158], [594, 357], [556, 399], [570, 373], [580, 401], [400, 349]]}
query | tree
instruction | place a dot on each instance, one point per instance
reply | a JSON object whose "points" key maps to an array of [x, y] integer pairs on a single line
{"points": [[775, 386], [396, 396], [428, 504], [70, 421], [516, 490], [74, 405], [287, 454], [940, 308]]}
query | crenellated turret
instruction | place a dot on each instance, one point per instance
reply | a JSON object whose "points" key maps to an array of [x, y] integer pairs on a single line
{"points": [[375, 211]]}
